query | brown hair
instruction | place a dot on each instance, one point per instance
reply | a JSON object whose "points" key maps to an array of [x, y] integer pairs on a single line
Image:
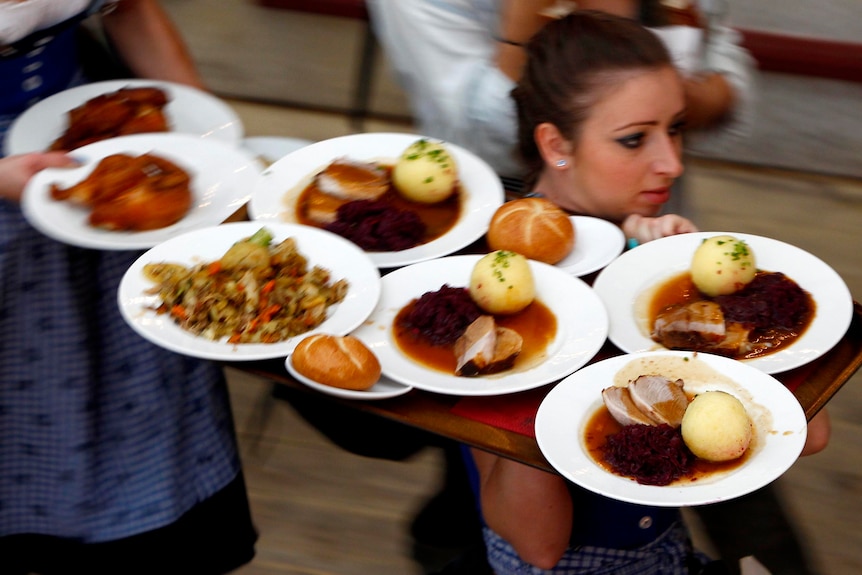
{"points": [[569, 62]]}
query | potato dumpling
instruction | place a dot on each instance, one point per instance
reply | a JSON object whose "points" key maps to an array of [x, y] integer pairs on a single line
{"points": [[502, 283], [425, 173], [716, 426], [722, 265]]}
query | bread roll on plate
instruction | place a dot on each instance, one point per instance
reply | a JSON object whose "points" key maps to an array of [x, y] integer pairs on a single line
{"points": [[338, 361], [533, 227]]}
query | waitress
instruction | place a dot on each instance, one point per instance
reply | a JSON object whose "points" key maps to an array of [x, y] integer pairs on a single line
{"points": [[116, 456]]}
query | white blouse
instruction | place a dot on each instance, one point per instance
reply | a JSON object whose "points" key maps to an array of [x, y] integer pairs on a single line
{"points": [[18, 18]]}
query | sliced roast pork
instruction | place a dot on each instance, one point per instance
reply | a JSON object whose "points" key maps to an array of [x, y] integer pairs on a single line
{"points": [[486, 348], [736, 342], [619, 402], [690, 326], [343, 181], [661, 399], [350, 180], [700, 326]]}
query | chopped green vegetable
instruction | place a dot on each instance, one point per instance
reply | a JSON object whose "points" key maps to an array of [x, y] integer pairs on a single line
{"points": [[262, 237]]}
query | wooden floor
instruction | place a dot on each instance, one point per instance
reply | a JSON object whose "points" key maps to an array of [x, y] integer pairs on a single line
{"points": [[323, 511]]}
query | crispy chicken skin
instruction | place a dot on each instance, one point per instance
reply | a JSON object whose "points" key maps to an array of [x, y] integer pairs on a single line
{"points": [[126, 111], [136, 193]]}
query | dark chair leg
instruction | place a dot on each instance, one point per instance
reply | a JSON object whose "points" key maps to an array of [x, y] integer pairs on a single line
{"points": [[364, 79]]}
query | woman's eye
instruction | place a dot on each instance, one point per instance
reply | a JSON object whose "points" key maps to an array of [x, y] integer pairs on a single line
{"points": [[632, 141], [677, 128]]}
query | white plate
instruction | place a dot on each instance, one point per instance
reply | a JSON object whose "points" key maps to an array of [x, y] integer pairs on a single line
{"points": [[597, 243], [273, 148], [780, 429], [222, 179], [321, 248], [188, 111], [582, 326], [275, 196], [625, 284], [383, 389]]}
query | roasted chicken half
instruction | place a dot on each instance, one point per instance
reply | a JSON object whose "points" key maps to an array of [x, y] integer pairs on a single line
{"points": [[134, 193], [120, 113]]}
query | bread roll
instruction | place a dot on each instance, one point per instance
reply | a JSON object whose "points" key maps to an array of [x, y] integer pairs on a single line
{"points": [[339, 361], [534, 227]]}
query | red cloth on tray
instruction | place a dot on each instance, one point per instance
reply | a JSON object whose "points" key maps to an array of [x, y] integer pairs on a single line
{"points": [[517, 411]]}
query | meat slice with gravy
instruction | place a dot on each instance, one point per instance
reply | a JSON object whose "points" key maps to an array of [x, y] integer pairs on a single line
{"points": [[343, 181], [648, 400], [486, 348], [700, 326], [619, 402], [660, 398], [690, 325]]}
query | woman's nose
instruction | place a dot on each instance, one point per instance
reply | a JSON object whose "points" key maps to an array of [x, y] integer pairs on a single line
{"points": [[669, 158]]}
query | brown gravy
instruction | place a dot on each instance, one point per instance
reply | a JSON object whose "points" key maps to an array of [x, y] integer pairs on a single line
{"points": [[536, 324], [601, 424], [438, 218], [680, 289]]}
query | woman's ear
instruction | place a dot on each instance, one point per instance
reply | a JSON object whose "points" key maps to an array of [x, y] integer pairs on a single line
{"points": [[555, 149]]}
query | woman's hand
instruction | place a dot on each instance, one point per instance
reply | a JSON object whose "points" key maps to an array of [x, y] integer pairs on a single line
{"points": [[16, 171], [819, 432], [646, 229]]}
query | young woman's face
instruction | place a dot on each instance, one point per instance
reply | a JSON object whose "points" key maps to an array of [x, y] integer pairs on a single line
{"points": [[630, 147]]}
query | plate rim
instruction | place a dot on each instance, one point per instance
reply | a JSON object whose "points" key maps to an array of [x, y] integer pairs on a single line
{"points": [[618, 243], [133, 301], [367, 395]]}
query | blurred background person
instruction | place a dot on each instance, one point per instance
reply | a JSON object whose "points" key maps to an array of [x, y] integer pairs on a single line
{"points": [[458, 60], [116, 456]]}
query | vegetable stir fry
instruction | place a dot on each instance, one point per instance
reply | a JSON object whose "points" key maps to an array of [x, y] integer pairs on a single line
{"points": [[256, 293]]}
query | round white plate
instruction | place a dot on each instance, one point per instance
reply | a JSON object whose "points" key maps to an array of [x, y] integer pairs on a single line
{"points": [[188, 111], [270, 149], [343, 259], [222, 179], [780, 428], [597, 243], [275, 196], [582, 326], [383, 389], [625, 284]]}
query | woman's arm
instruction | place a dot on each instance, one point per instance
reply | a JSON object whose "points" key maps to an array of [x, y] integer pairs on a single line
{"points": [[149, 43], [529, 508], [519, 20]]}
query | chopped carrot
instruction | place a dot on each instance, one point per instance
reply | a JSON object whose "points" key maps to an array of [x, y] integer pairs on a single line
{"points": [[179, 311], [267, 287], [214, 268], [267, 314]]}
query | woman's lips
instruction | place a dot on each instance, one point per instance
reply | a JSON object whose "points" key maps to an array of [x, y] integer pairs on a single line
{"points": [[657, 196]]}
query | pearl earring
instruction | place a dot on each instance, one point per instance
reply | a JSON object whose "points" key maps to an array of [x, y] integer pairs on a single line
{"points": [[562, 163]]}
